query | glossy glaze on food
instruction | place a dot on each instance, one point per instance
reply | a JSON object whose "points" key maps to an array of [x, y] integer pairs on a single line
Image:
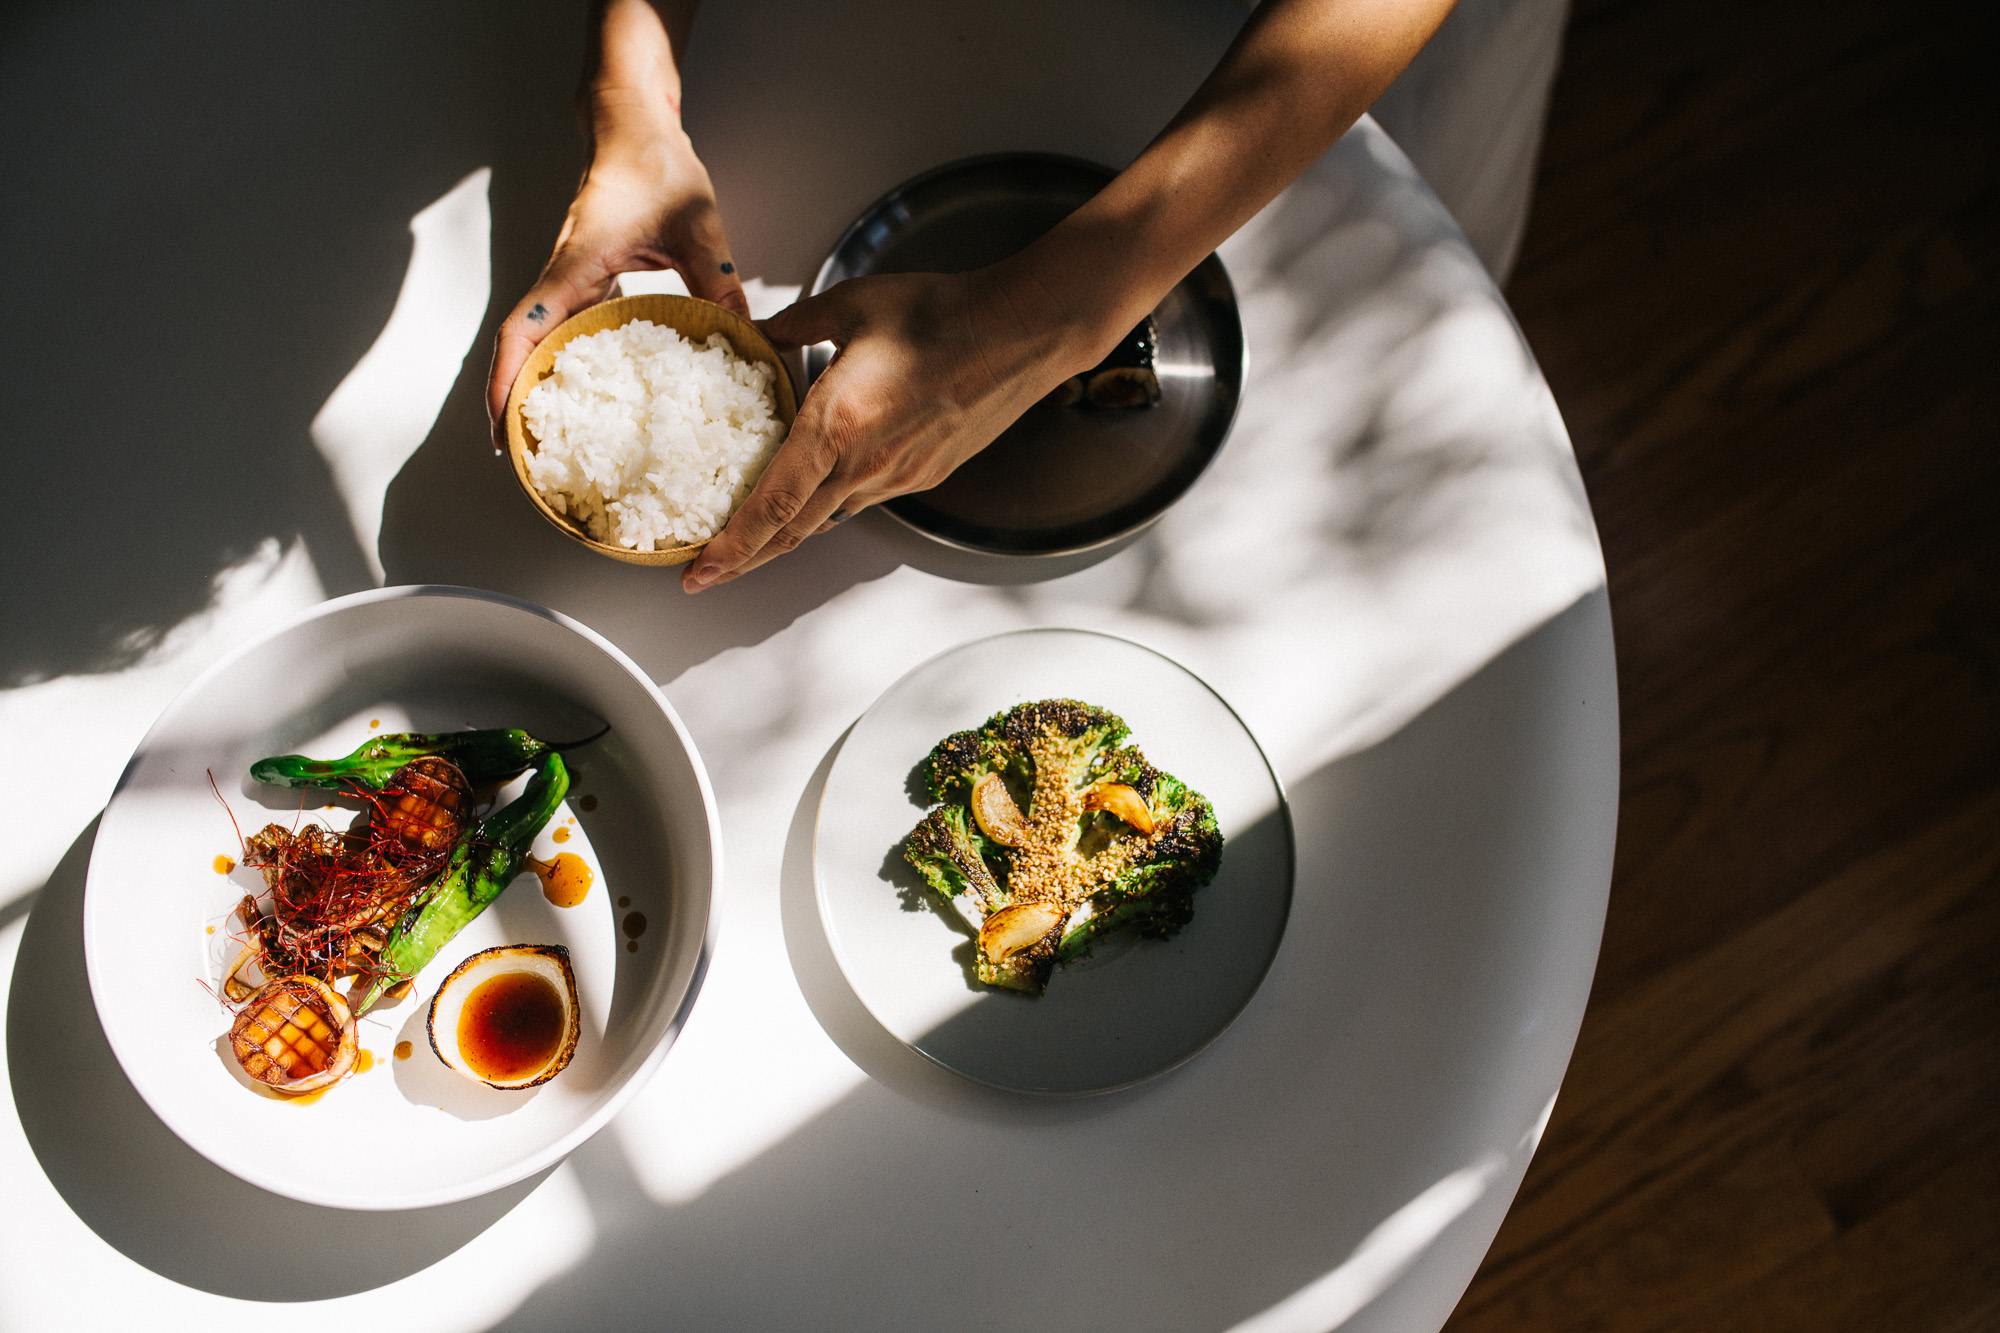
{"points": [[511, 1027]]}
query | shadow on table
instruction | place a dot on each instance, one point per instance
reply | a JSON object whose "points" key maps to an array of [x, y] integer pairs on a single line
{"points": [[1450, 891], [1427, 867], [215, 243], [149, 1195]]}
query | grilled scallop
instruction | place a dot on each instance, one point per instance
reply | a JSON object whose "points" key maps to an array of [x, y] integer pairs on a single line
{"points": [[295, 1035]]}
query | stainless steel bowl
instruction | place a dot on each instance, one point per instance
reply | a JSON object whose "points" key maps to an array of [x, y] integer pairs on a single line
{"points": [[1059, 481]]}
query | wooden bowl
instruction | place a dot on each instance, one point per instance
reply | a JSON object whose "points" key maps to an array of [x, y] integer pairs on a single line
{"points": [[693, 320]]}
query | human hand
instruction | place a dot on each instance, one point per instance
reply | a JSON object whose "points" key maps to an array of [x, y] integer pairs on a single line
{"points": [[647, 205], [930, 369]]}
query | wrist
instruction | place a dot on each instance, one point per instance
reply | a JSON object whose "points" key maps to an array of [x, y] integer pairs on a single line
{"points": [[629, 121], [1083, 303], [648, 155]]}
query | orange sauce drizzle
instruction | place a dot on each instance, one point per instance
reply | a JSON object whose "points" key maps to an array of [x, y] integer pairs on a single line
{"points": [[565, 880]]}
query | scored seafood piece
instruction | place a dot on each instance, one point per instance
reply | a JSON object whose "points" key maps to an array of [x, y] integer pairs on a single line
{"points": [[295, 1035], [425, 806]]}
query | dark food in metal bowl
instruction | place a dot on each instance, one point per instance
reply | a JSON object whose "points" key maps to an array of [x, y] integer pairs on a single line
{"points": [[1125, 379]]}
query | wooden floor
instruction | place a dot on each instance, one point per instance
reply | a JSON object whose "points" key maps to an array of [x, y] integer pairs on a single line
{"points": [[1763, 276]]}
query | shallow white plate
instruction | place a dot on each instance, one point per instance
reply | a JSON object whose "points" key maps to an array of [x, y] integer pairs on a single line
{"points": [[409, 1133], [1135, 1008]]}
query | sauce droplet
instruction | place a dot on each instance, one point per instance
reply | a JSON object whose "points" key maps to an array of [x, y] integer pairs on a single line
{"points": [[511, 1026], [587, 804], [211, 930], [631, 946], [565, 880], [561, 834], [223, 865], [624, 902], [374, 723], [635, 924], [403, 1049], [364, 1061]]}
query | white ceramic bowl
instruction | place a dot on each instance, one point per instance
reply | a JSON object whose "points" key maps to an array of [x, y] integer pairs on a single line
{"points": [[409, 1133]]}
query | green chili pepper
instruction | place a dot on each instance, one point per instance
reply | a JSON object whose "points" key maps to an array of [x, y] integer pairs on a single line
{"points": [[485, 757], [483, 863]]}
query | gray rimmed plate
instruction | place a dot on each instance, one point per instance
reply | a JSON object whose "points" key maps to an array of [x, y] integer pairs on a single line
{"points": [[1134, 1009], [1061, 479]]}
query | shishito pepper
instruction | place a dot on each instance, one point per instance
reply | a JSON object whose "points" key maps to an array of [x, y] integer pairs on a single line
{"points": [[485, 757], [483, 864]]}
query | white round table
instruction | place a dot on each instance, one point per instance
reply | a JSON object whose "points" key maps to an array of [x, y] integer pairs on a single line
{"points": [[1391, 572]]}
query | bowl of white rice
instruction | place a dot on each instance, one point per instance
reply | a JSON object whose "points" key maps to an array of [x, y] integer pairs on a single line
{"points": [[637, 426]]}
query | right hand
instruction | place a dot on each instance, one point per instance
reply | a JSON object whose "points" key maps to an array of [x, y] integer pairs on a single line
{"points": [[644, 206], [931, 367]]}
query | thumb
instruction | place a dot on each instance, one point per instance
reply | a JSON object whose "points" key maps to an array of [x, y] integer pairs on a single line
{"points": [[560, 293], [714, 278], [813, 319], [699, 247]]}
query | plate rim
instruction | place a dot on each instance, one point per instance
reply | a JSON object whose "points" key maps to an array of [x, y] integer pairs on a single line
{"points": [[94, 904], [1284, 811]]}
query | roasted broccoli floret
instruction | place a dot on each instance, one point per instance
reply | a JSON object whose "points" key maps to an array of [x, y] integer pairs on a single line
{"points": [[950, 852], [1155, 893], [1078, 734], [1107, 840]]}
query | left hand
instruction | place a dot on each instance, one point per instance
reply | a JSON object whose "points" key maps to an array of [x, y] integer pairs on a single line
{"points": [[646, 204], [931, 368]]}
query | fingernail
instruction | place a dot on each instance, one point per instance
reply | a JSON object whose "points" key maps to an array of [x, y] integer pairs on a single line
{"points": [[702, 576]]}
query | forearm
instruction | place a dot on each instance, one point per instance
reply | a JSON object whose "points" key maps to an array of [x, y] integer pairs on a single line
{"points": [[1298, 75], [631, 94], [645, 201]]}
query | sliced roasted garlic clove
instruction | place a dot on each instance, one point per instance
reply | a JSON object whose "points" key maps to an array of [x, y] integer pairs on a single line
{"points": [[1012, 929], [993, 809], [1118, 799]]}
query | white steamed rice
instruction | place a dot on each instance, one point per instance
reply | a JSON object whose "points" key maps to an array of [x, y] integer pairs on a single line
{"points": [[648, 439]]}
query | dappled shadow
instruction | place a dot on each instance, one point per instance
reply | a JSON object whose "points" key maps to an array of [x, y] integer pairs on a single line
{"points": [[1396, 506], [1416, 1023], [211, 249]]}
